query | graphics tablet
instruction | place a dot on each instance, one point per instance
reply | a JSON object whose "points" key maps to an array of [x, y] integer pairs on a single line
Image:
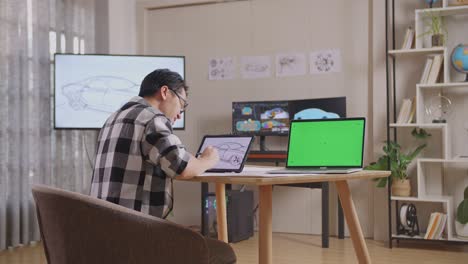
{"points": [[232, 151]]}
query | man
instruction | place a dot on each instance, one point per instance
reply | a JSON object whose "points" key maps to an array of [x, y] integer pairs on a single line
{"points": [[138, 156]]}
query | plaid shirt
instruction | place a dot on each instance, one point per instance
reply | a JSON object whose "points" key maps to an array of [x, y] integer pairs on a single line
{"points": [[137, 158]]}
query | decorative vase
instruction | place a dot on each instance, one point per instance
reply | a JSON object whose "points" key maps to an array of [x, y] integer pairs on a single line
{"points": [[437, 40], [461, 230], [431, 2], [401, 187]]}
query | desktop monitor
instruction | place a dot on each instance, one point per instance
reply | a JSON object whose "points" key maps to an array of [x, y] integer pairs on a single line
{"points": [[318, 108], [260, 118], [270, 118], [89, 88]]}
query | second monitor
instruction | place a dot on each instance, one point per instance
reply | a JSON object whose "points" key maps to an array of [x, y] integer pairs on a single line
{"points": [[267, 118]]}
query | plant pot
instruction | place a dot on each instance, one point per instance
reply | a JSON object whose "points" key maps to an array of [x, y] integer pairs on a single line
{"points": [[461, 230], [401, 187], [437, 40]]}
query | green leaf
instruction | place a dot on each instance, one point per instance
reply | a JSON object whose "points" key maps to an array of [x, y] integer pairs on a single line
{"points": [[420, 133], [381, 164], [382, 182], [416, 152], [465, 194], [434, 22], [462, 212]]}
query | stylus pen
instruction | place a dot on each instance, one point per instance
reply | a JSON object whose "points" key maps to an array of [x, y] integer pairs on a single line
{"points": [[198, 154]]}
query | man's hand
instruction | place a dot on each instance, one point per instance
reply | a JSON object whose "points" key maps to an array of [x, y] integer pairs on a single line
{"points": [[211, 156], [196, 166]]}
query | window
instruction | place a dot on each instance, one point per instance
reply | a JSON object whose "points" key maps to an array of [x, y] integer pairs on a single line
{"points": [[76, 43], [52, 44], [63, 43], [82, 46]]}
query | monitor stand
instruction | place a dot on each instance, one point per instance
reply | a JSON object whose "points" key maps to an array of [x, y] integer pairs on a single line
{"points": [[265, 155], [263, 144]]}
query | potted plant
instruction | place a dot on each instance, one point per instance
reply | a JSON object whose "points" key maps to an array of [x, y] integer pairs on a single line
{"points": [[461, 223], [436, 28], [399, 163], [431, 2]]}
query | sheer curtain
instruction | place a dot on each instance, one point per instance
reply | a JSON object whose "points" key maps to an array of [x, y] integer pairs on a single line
{"points": [[31, 150]]}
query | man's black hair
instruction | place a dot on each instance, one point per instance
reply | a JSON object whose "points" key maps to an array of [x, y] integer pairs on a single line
{"points": [[160, 77]]}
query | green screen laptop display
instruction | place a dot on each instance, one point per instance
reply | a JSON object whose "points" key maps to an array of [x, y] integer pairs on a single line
{"points": [[326, 143]]}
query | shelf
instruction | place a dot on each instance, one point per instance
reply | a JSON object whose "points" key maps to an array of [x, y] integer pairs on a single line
{"points": [[427, 126], [425, 160], [443, 85], [428, 198], [444, 11], [455, 239], [431, 172], [423, 51], [421, 238]]}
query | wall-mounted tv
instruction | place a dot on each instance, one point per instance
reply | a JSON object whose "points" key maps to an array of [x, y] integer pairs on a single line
{"points": [[264, 118], [89, 88]]}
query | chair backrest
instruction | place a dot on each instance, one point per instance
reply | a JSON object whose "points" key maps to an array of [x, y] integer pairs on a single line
{"points": [[76, 228]]}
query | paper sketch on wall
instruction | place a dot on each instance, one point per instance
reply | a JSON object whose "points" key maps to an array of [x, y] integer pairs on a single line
{"points": [[253, 67], [325, 61], [221, 68], [98, 93], [291, 64]]}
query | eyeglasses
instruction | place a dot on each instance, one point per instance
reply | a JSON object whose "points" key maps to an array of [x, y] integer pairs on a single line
{"points": [[182, 101]]}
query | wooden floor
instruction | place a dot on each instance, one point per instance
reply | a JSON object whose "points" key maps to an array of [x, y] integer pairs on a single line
{"points": [[300, 249]]}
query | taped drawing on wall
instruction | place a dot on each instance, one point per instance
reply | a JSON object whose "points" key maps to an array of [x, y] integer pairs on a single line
{"points": [[325, 61], [221, 68], [253, 67], [290, 64]]}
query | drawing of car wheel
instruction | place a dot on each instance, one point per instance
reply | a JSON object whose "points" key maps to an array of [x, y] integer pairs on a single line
{"points": [[235, 160], [231, 152]]}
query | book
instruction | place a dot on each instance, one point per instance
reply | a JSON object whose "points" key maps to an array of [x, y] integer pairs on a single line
{"points": [[412, 111], [441, 226], [405, 110], [405, 40], [431, 228], [436, 226], [408, 40], [435, 69], [427, 69]]}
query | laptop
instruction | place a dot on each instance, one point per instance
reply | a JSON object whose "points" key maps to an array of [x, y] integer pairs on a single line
{"points": [[232, 151], [325, 146]]}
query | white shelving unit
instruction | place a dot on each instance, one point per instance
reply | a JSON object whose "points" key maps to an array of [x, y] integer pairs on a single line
{"points": [[420, 125], [422, 51], [430, 126], [430, 171]]}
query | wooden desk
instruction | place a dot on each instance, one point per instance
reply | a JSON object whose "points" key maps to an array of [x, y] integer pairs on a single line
{"points": [[257, 176]]}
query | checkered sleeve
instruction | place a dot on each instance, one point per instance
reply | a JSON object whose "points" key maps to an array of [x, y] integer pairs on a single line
{"points": [[161, 147]]}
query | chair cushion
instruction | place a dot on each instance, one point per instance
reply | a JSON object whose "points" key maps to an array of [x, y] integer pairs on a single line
{"points": [[220, 252]]}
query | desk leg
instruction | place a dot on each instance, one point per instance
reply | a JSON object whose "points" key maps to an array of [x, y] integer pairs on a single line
{"points": [[221, 212], [325, 214], [353, 223], [340, 221], [265, 233]]}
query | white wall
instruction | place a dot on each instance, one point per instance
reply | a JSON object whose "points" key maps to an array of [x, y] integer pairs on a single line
{"points": [[264, 27], [122, 27], [378, 75]]}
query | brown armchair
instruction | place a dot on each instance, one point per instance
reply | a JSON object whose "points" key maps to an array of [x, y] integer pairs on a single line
{"points": [[76, 228]]}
